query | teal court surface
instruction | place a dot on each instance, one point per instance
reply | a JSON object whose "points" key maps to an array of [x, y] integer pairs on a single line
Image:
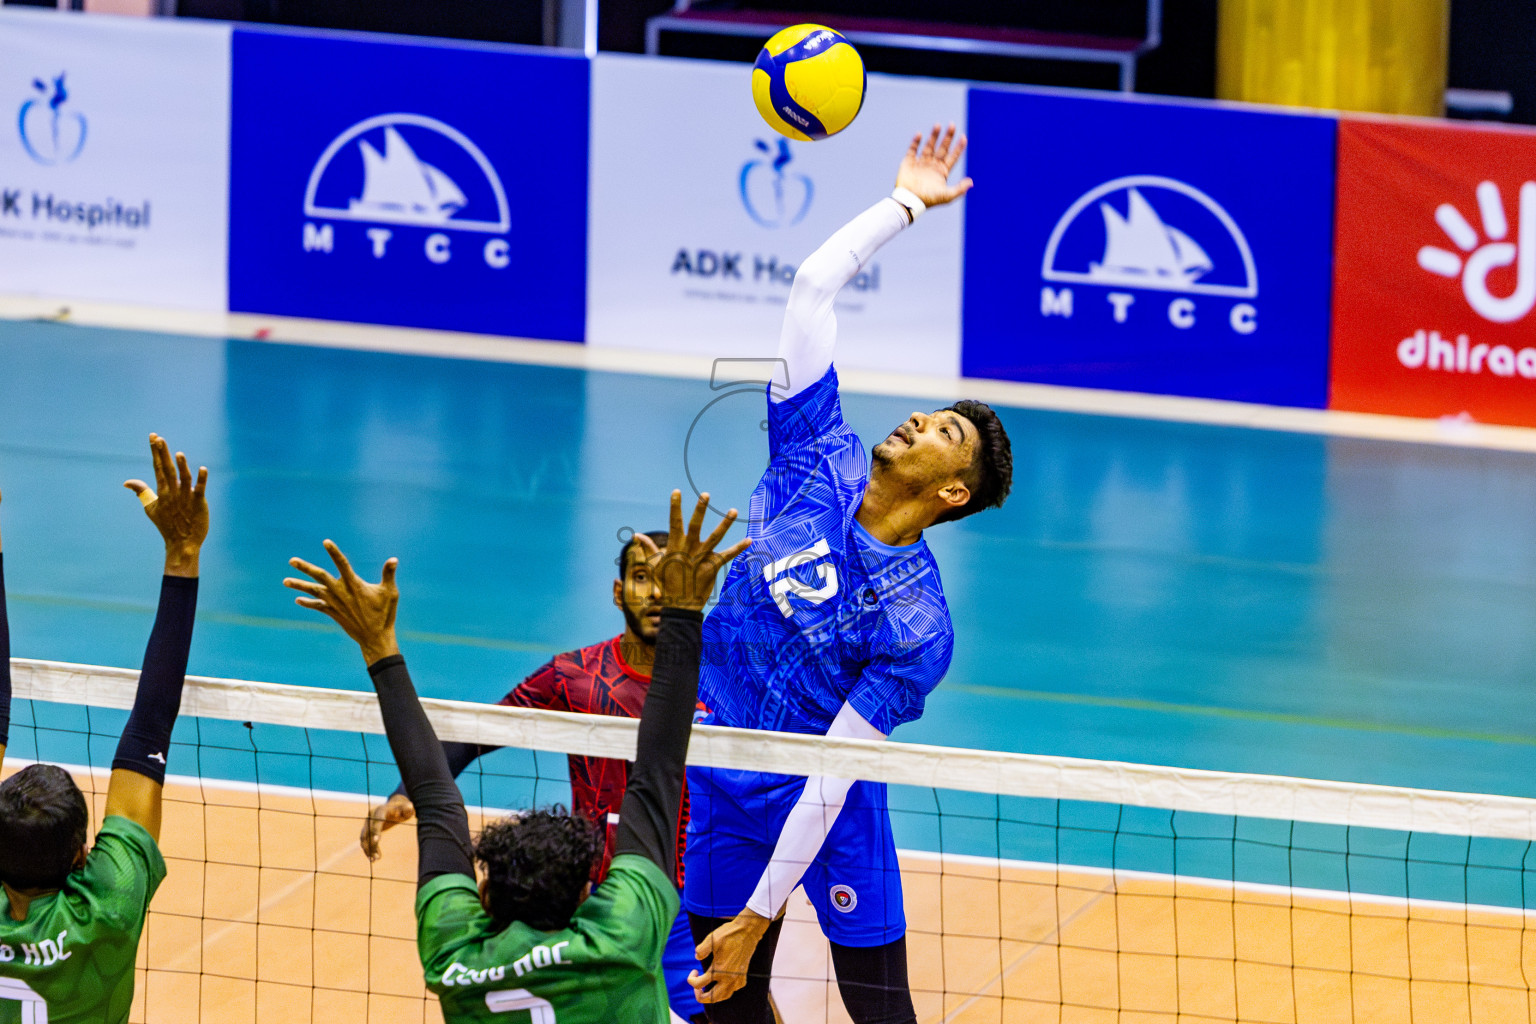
{"points": [[1153, 592]]}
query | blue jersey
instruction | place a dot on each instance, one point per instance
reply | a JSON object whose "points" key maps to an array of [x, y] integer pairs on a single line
{"points": [[818, 612]]}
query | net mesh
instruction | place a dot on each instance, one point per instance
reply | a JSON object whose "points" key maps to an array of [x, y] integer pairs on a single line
{"points": [[1036, 888]]}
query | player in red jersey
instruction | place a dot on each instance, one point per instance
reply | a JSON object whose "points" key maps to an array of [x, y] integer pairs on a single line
{"points": [[608, 678]]}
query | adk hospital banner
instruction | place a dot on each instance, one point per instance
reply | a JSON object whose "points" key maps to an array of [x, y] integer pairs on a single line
{"points": [[701, 212], [114, 158]]}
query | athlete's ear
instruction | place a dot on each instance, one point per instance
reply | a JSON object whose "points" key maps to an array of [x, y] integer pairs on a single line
{"points": [[485, 899], [80, 856], [586, 891], [618, 593], [955, 494]]}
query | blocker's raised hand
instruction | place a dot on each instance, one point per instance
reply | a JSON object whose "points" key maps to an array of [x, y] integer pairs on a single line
{"points": [[177, 506], [926, 168], [687, 569], [365, 610]]}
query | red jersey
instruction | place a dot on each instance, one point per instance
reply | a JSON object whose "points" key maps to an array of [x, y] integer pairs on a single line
{"points": [[595, 680]]}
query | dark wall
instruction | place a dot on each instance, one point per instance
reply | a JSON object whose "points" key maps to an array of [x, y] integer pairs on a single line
{"points": [[1493, 46], [498, 21], [1184, 65]]}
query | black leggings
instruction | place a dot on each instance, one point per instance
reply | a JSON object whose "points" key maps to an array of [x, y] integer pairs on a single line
{"points": [[871, 979]]}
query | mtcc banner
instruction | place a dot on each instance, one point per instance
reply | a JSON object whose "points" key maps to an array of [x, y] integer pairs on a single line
{"points": [[382, 182], [114, 147], [697, 231], [1146, 246]]}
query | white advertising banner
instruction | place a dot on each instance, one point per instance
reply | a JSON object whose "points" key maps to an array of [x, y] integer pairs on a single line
{"points": [[114, 158], [700, 213]]}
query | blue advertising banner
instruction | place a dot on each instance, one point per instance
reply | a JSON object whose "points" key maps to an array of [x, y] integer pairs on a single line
{"points": [[1146, 246], [414, 184]]}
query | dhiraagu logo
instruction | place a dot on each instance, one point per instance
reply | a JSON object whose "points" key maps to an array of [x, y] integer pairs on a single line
{"points": [[773, 196], [1144, 234], [1489, 252], [52, 130], [416, 187]]}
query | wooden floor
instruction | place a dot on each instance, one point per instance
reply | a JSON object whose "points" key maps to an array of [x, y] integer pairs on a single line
{"points": [[270, 913]]}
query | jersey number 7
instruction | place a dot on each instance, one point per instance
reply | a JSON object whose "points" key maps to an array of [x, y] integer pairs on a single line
{"points": [[509, 1000]]}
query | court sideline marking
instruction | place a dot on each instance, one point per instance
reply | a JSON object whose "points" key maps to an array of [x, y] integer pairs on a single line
{"points": [[1450, 431]]}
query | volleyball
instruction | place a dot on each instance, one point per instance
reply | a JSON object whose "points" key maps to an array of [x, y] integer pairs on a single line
{"points": [[808, 82]]}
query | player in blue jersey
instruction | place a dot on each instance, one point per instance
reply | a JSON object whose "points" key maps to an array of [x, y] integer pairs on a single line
{"points": [[834, 624]]}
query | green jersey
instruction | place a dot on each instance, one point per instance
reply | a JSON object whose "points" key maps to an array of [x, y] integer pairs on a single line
{"points": [[71, 960], [605, 967]]}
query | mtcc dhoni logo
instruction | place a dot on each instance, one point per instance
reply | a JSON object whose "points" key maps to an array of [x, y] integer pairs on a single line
{"points": [[1489, 252], [1146, 233], [774, 198], [409, 172], [52, 131]]}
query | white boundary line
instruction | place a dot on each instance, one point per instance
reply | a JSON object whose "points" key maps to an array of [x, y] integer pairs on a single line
{"points": [[1049, 397]]}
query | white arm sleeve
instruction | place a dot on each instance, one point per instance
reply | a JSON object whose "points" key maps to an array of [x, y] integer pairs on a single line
{"points": [[810, 328], [808, 823]]}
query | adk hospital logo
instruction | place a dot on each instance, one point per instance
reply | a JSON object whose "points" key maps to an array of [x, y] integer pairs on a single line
{"points": [[773, 196], [1125, 241], [52, 133], [415, 187]]}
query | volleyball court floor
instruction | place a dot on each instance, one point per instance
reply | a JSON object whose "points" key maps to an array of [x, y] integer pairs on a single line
{"points": [[1153, 592]]}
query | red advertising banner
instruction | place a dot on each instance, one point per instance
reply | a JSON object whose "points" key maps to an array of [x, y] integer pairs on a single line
{"points": [[1435, 271]]}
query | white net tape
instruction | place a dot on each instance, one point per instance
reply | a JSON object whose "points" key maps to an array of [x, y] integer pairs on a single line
{"points": [[1020, 775]]}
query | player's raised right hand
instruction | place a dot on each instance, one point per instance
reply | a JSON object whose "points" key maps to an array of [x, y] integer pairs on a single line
{"points": [[926, 168], [398, 808], [686, 570], [177, 506]]}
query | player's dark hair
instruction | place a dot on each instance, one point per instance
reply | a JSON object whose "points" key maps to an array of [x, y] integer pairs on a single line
{"points": [[990, 476], [536, 866], [43, 818], [658, 537]]}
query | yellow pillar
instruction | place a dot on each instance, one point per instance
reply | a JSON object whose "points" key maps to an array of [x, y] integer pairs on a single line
{"points": [[1386, 56]]}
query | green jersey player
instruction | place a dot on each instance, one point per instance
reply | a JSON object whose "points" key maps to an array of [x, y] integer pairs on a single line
{"points": [[533, 936], [71, 918]]}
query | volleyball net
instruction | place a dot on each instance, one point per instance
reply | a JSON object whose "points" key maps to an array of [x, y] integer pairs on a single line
{"points": [[1036, 888]]}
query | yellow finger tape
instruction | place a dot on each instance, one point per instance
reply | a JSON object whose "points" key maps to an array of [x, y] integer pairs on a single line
{"points": [[147, 498]]}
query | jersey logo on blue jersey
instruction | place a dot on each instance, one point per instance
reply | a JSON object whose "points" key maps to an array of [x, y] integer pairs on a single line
{"points": [[783, 587]]}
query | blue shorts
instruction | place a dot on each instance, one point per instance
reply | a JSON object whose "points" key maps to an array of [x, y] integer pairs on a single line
{"points": [[734, 821], [677, 961]]}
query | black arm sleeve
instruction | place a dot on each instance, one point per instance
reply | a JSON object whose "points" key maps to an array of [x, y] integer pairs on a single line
{"points": [[147, 736], [442, 825], [5, 663], [460, 756], [652, 801]]}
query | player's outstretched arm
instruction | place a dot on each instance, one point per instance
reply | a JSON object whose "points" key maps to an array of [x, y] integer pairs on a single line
{"points": [[5, 665], [810, 328], [398, 809], [686, 572], [366, 611], [178, 507]]}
